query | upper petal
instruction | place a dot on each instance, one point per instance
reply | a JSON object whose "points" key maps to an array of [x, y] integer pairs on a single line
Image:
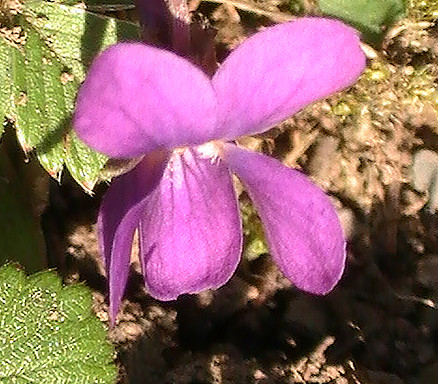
{"points": [[190, 231], [119, 217], [302, 228], [138, 98], [278, 71]]}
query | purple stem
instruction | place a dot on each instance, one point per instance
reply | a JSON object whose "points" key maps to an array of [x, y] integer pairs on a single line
{"points": [[180, 26], [166, 24]]}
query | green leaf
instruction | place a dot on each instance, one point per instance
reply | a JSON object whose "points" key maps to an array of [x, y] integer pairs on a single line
{"points": [[48, 334], [41, 102], [45, 73], [74, 34], [21, 238], [109, 5], [371, 17], [82, 162], [103, 6], [5, 81]]}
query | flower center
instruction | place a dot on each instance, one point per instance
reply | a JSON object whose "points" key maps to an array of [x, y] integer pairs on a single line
{"points": [[211, 150]]}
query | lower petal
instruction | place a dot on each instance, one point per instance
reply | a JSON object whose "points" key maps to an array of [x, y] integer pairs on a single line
{"points": [[119, 217], [190, 231], [301, 225]]}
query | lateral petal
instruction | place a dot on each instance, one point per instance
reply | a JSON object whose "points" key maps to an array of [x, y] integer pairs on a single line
{"points": [[190, 232], [301, 226], [119, 217], [280, 70]]}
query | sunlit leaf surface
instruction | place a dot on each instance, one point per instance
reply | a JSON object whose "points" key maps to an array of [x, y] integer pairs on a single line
{"points": [[48, 333], [40, 72]]}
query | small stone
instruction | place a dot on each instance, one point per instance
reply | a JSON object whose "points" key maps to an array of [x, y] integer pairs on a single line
{"points": [[259, 375]]}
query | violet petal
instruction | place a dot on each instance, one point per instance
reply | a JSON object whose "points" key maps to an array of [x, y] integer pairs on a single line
{"points": [[190, 231], [278, 71], [302, 229], [138, 98], [119, 217]]}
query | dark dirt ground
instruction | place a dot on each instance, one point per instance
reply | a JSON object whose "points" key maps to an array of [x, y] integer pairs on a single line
{"points": [[380, 325]]}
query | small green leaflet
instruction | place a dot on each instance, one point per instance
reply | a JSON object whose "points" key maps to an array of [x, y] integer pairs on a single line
{"points": [[254, 242], [48, 334], [371, 17], [39, 80]]}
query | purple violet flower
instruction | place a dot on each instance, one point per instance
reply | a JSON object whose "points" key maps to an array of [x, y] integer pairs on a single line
{"points": [[139, 100]]}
